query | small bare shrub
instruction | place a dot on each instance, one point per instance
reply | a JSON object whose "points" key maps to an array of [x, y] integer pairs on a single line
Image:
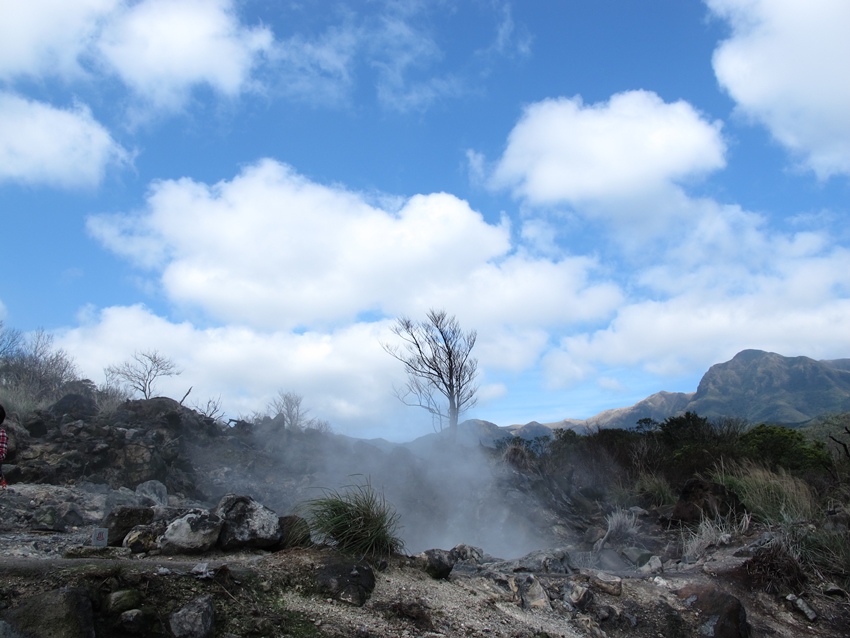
{"points": [[709, 533], [622, 528], [775, 570]]}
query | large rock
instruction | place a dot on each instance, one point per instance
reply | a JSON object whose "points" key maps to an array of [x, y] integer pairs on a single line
{"points": [[550, 561], [246, 523], [122, 519], [721, 614], [60, 613], [74, 407], [193, 533], [196, 619], [348, 582], [437, 563]]}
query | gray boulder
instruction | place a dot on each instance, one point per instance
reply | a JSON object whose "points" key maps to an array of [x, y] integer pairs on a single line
{"points": [[721, 614], [549, 561], [196, 619], [193, 533], [122, 519], [152, 493], [246, 523], [438, 563], [348, 582]]}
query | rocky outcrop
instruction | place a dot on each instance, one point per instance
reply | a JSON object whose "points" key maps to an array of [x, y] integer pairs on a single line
{"points": [[141, 442]]}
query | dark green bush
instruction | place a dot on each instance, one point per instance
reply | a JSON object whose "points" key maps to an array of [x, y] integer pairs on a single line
{"points": [[779, 446], [357, 520]]}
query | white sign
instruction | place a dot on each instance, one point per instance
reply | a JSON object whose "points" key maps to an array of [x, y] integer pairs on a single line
{"points": [[100, 537]]}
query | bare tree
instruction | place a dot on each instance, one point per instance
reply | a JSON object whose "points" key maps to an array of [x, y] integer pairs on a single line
{"points": [[34, 364], [141, 371], [10, 341], [287, 407], [441, 372]]}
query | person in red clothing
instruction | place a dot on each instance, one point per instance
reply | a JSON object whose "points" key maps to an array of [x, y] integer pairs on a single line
{"points": [[4, 444]]}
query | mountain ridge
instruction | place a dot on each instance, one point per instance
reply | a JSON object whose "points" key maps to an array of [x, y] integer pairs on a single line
{"points": [[755, 385]]}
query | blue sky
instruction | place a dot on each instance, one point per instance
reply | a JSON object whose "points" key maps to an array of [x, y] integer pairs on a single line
{"points": [[616, 195]]}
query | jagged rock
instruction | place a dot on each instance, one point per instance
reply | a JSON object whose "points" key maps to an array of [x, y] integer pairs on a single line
{"points": [[652, 566], [704, 499], [721, 614], [606, 583], [803, 607], [153, 493], [546, 561], [123, 600], [144, 538], [60, 613], [294, 532], [193, 533], [532, 594], [437, 563], [345, 581], [246, 523], [578, 596], [36, 426], [74, 407], [196, 619], [139, 462], [122, 519], [468, 553]]}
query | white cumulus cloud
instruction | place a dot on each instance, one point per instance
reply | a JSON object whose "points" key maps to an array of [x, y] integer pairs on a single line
{"points": [[785, 64], [163, 48], [41, 144], [49, 37], [633, 145], [272, 249]]}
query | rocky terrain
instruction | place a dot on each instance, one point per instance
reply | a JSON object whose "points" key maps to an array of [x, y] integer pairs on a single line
{"points": [[205, 537]]}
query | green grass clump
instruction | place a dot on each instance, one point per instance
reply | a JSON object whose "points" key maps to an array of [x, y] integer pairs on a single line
{"points": [[772, 496], [357, 520], [655, 490]]}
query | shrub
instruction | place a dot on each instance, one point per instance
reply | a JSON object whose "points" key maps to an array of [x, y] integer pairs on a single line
{"points": [[357, 520], [654, 490], [772, 496], [33, 372], [775, 569], [622, 526], [711, 532], [778, 446]]}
